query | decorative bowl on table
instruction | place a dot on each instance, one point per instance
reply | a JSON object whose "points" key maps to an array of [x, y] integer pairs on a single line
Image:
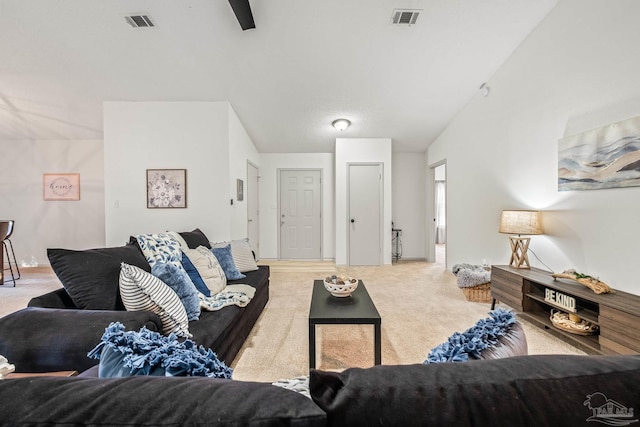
{"points": [[340, 286]]}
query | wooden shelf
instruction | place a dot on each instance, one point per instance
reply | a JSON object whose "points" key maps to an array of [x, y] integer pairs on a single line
{"points": [[617, 314]]}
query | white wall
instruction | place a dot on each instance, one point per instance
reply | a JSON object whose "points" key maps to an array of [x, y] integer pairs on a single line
{"points": [[501, 151], [241, 150], [361, 150], [169, 135], [42, 224], [409, 199], [269, 222]]}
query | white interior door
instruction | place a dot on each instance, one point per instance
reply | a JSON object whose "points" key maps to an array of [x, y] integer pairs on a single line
{"points": [[300, 214], [252, 208], [365, 213]]}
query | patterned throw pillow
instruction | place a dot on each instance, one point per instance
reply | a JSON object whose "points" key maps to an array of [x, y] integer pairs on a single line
{"points": [[242, 254], [142, 291], [160, 247], [208, 268], [225, 258]]}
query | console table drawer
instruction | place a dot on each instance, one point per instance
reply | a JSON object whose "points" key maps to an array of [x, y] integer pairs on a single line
{"points": [[506, 287], [619, 327]]}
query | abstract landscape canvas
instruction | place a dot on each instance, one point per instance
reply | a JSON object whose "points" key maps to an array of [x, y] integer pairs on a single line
{"points": [[607, 157]]}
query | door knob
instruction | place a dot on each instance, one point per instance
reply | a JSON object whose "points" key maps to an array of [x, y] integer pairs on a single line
{"points": [[352, 220]]}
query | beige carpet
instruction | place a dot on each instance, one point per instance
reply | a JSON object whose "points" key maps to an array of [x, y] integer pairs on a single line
{"points": [[420, 305]]}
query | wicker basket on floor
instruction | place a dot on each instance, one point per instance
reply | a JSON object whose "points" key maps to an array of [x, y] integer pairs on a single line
{"points": [[479, 293]]}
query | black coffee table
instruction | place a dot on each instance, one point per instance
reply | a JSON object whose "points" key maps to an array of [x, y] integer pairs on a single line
{"points": [[357, 309]]}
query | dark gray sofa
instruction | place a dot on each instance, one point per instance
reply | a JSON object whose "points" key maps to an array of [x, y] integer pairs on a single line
{"points": [[54, 334], [547, 390]]}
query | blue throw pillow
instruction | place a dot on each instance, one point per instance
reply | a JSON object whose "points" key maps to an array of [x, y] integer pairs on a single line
{"points": [[225, 258], [461, 347], [195, 277], [127, 353], [181, 284]]}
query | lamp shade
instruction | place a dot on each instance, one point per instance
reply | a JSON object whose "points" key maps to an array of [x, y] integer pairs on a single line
{"points": [[520, 222]]}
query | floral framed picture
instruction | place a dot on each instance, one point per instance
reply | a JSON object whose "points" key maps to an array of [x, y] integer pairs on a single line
{"points": [[166, 188]]}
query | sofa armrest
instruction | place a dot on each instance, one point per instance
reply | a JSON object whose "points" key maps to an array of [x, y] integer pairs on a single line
{"points": [[50, 339], [54, 299]]}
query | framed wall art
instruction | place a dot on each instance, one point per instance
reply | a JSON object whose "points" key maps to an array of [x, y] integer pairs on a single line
{"points": [[61, 186], [607, 157], [166, 188]]}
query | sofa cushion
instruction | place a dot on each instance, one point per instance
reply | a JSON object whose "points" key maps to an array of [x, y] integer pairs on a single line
{"points": [[207, 268], [143, 291], [195, 238], [91, 276], [541, 390], [225, 258], [157, 401], [178, 280], [242, 254]]}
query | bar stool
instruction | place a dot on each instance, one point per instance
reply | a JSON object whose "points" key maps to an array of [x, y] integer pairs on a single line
{"points": [[6, 229]]}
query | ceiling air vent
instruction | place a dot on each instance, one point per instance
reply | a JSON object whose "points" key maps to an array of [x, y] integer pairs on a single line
{"points": [[405, 16], [139, 21]]}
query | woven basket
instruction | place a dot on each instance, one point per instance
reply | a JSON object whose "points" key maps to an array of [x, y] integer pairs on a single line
{"points": [[480, 293], [561, 321]]}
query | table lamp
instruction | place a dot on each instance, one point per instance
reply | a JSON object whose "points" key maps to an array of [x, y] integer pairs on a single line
{"points": [[520, 222]]}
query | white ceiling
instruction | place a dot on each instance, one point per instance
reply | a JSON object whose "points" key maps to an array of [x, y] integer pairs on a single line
{"points": [[306, 63]]}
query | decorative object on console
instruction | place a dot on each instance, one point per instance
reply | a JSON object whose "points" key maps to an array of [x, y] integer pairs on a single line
{"points": [[590, 282], [340, 286], [601, 158], [146, 352], [166, 188], [520, 222], [61, 186], [572, 323]]}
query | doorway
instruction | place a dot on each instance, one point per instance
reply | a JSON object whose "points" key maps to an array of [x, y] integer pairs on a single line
{"points": [[253, 231], [440, 213], [300, 214], [365, 214]]}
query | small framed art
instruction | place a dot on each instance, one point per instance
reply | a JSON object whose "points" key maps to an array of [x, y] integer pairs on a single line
{"points": [[166, 188], [61, 186]]}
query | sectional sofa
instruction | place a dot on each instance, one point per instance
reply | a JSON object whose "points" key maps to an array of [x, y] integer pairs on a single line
{"points": [[57, 329]]}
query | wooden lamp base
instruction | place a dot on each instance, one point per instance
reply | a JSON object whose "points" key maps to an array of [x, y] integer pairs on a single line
{"points": [[519, 247]]}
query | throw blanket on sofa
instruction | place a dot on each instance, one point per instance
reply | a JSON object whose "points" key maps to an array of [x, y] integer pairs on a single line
{"points": [[469, 275], [239, 295]]}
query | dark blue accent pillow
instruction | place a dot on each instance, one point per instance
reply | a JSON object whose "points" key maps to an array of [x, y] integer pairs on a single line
{"points": [[225, 258], [194, 275], [178, 280]]}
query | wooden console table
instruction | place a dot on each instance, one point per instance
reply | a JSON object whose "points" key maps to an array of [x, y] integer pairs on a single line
{"points": [[617, 314]]}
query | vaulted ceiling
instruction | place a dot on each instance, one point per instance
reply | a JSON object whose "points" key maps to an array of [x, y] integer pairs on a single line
{"points": [[306, 63]]}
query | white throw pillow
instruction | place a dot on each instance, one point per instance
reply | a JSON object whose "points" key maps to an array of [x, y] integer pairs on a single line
{"points": [[242, 254], [208, 267], [141, 291]]}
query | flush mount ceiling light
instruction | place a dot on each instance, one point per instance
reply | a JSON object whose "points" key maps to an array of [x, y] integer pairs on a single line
{"points": [[341, 124]]}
